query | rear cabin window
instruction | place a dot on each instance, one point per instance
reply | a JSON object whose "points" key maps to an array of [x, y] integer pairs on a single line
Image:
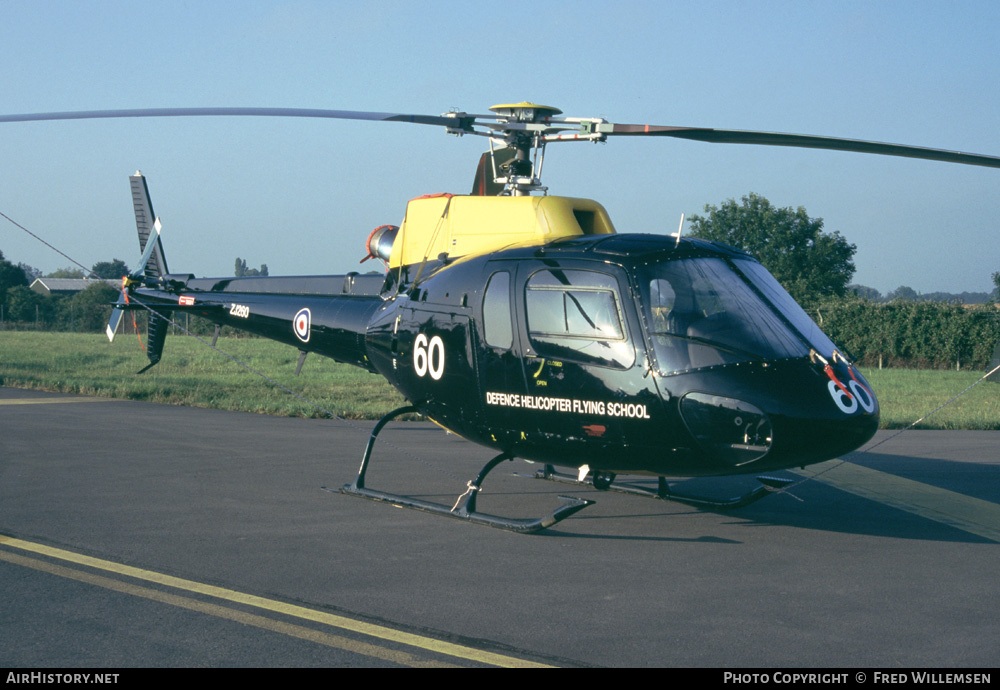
{"points": [[497, 326], [574, 314]]}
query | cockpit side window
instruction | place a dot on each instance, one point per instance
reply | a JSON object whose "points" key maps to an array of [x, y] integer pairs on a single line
{"points": [[497, 324], [576, 314]]}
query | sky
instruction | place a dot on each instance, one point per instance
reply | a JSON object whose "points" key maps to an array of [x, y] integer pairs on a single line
{"points": [[302, 195]]}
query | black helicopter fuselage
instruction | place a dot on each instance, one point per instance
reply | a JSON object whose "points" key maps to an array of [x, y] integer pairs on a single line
{"points": [[522, 321], [626, 353]]}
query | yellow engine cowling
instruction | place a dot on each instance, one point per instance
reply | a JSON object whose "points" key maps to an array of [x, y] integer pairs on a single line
{"points": [[466, 225]]}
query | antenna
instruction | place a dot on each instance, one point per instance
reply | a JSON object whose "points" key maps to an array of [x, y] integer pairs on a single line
{"points": [[680, 229]]}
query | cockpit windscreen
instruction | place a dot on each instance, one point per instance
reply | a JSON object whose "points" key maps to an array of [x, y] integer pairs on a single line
{"points": [[701, 313]]}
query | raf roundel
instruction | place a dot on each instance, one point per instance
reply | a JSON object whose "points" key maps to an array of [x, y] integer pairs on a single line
{"points": [[301, 324]]}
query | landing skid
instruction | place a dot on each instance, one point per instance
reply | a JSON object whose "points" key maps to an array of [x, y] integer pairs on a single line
{"points": [[603, 481], [465, 506]]}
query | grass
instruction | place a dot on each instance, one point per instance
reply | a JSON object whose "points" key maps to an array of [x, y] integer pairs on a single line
{"points": [[192, 374], [905, 395]]}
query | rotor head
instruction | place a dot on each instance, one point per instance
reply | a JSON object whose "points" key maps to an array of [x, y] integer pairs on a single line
{"points": [[525, 111]]}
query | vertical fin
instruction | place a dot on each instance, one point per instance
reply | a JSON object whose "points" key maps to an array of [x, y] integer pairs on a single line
{"points": [[156, 266], [156, 335], [152, 266]]}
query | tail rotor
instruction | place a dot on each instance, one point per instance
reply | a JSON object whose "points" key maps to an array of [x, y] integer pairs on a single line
{"points": [[136, 277]]}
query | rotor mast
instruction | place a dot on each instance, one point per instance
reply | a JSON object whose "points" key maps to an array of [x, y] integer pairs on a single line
{"points": [[522, 126]]}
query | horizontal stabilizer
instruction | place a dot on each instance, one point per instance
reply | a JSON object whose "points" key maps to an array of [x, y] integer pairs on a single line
{"points": [[199, 308]]}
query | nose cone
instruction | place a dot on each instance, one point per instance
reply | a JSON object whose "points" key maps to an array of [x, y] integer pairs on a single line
{"points": [[781, 415], [822, 415], [807, 440]]}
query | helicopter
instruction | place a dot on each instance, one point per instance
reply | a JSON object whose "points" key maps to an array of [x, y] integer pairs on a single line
{"points": [[522, 321]]}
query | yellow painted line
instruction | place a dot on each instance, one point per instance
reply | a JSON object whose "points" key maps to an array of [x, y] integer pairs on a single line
{"points": [[372, 630], [49, 401], [972, 515], [289, 629]]}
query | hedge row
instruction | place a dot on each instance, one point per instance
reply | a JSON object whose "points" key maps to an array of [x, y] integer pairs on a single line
{"points": [[913, 334], [85, 312], [896, 334]]}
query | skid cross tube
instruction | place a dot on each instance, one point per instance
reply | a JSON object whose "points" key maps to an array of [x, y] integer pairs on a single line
{"points": [[663, 492], [359, 482], [465, 505]]}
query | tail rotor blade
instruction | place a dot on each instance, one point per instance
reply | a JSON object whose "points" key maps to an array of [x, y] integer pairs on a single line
{"points": [[116, 317], [118, 311], [150, 246]]}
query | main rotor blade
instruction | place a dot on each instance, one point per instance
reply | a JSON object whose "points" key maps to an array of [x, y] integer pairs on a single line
{"points": [[458, 122], [465, 122], [733, 136]]}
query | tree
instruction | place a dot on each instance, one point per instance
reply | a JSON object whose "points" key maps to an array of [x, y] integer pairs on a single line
{"points": [[91, 307], [242, 270], [11, 276], [866, 292], [904, 293], [66, 273], [115, 269], [808, 262], [996, 281], [30, 272], [26, 305]]}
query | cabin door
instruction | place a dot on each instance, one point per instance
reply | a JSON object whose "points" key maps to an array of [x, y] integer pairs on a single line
{"points": [[501, 374], [587, 385]]}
